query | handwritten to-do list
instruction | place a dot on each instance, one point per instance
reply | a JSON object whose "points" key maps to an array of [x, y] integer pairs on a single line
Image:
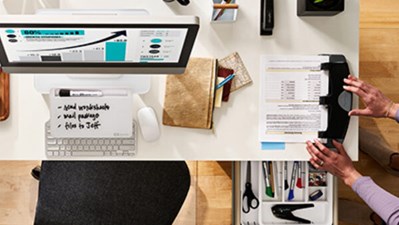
{"points": [[83, 116], [103, 116]]}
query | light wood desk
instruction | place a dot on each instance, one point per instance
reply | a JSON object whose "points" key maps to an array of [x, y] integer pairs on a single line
{"points": [[235, 135]]}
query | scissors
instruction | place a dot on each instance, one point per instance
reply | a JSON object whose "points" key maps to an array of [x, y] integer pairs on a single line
{"points": [[249, 200]]}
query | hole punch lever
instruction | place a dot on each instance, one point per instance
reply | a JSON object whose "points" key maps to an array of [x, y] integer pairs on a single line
{"points": [[284, 211]]}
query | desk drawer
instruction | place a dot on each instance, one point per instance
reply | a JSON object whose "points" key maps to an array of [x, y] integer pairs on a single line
{"points": [[280, 193]]}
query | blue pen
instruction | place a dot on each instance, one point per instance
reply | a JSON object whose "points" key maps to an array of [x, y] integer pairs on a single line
{"points": [[227, 79]]}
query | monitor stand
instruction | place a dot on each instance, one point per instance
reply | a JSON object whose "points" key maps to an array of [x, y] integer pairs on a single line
{"points": [[137, 83]]}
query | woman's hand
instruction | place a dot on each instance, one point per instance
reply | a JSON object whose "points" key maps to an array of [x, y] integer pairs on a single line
{"points": [[377, 104], [337, 163]]}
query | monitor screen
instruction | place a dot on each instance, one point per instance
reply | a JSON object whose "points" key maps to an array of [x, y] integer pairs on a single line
{"points": [[127, 44]]}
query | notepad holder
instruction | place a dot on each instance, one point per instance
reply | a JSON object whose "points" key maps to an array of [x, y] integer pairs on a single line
{"points": [[338, 101]]}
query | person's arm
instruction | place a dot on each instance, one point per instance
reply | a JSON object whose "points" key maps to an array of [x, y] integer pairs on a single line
{"points": [[380, 201], [377, 104], [339, 164]]}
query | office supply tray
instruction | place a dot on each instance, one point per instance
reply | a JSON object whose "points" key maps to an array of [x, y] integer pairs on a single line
{"points": [[320, 214], [4, 95]]}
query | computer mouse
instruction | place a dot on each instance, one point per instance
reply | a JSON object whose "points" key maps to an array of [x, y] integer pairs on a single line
{"points": [[148, 124]]}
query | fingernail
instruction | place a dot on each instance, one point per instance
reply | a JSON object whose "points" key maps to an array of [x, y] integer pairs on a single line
{"points": [[344, 87]]}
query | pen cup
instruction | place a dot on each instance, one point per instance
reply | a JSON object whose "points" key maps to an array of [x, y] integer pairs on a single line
{"points": [[224, 11]]}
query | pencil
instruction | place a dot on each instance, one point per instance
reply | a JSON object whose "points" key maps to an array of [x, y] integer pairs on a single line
{"points": [[225, 6], [224, 2]]}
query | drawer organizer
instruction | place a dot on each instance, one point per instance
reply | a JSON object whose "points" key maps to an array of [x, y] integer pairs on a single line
{"points": [[289, 192]]}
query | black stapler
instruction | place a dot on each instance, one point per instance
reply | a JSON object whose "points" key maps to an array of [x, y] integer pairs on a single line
{"points": [[266, 17], [338, 101], [284, 211]]}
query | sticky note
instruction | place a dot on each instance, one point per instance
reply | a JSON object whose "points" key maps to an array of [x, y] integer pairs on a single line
{"points": [[273, 145]]}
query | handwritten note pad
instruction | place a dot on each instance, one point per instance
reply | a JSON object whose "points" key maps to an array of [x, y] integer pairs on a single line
{"points": [[107, 115]]}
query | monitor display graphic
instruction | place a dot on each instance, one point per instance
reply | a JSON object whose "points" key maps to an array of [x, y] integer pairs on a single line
{"points": [[96, 43], [105, 45]]}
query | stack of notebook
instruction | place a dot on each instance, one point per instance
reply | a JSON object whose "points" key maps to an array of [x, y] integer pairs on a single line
{"points": [[190, 98]]}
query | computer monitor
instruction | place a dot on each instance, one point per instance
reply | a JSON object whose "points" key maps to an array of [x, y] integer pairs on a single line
{"points": [[96, 44]]}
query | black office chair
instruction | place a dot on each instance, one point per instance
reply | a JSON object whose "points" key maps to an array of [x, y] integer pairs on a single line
{"points": [[111, 193]]}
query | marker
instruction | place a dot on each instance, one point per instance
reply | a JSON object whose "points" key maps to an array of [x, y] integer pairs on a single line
{"points": [[299, 178], [292, 184], [303, 174], [286, 186], [79, 93], [92, 93], [227, 79], [269, 191]]}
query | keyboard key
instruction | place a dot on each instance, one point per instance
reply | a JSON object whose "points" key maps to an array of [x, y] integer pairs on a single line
{"points": [[51, 142], [128, 142], [126, 147], [53, 148], [89, 153]]}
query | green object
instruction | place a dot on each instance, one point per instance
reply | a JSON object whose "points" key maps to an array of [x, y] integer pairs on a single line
{"points": [[269, 192], [318, 1]]}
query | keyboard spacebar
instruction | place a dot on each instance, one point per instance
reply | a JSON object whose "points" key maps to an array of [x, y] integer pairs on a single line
{"points": [[88, 153]]}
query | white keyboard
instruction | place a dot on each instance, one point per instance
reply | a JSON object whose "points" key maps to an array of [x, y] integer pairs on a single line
{"points": [[75, 147]]}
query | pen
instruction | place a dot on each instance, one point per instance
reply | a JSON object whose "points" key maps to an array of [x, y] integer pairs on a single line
{"points": [[79, 93], [227, 79]]}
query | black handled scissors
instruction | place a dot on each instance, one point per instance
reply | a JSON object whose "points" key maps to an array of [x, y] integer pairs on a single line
{"points": [[249, 199]]}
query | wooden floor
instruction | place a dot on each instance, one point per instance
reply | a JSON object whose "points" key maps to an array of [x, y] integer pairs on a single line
{"points": [[209, 200]]}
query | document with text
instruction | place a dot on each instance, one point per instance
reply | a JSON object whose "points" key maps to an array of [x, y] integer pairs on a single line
{"points": [[289, 98]]}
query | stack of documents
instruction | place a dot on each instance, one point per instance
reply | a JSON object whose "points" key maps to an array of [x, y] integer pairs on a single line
{"points": [[289, 98]]}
